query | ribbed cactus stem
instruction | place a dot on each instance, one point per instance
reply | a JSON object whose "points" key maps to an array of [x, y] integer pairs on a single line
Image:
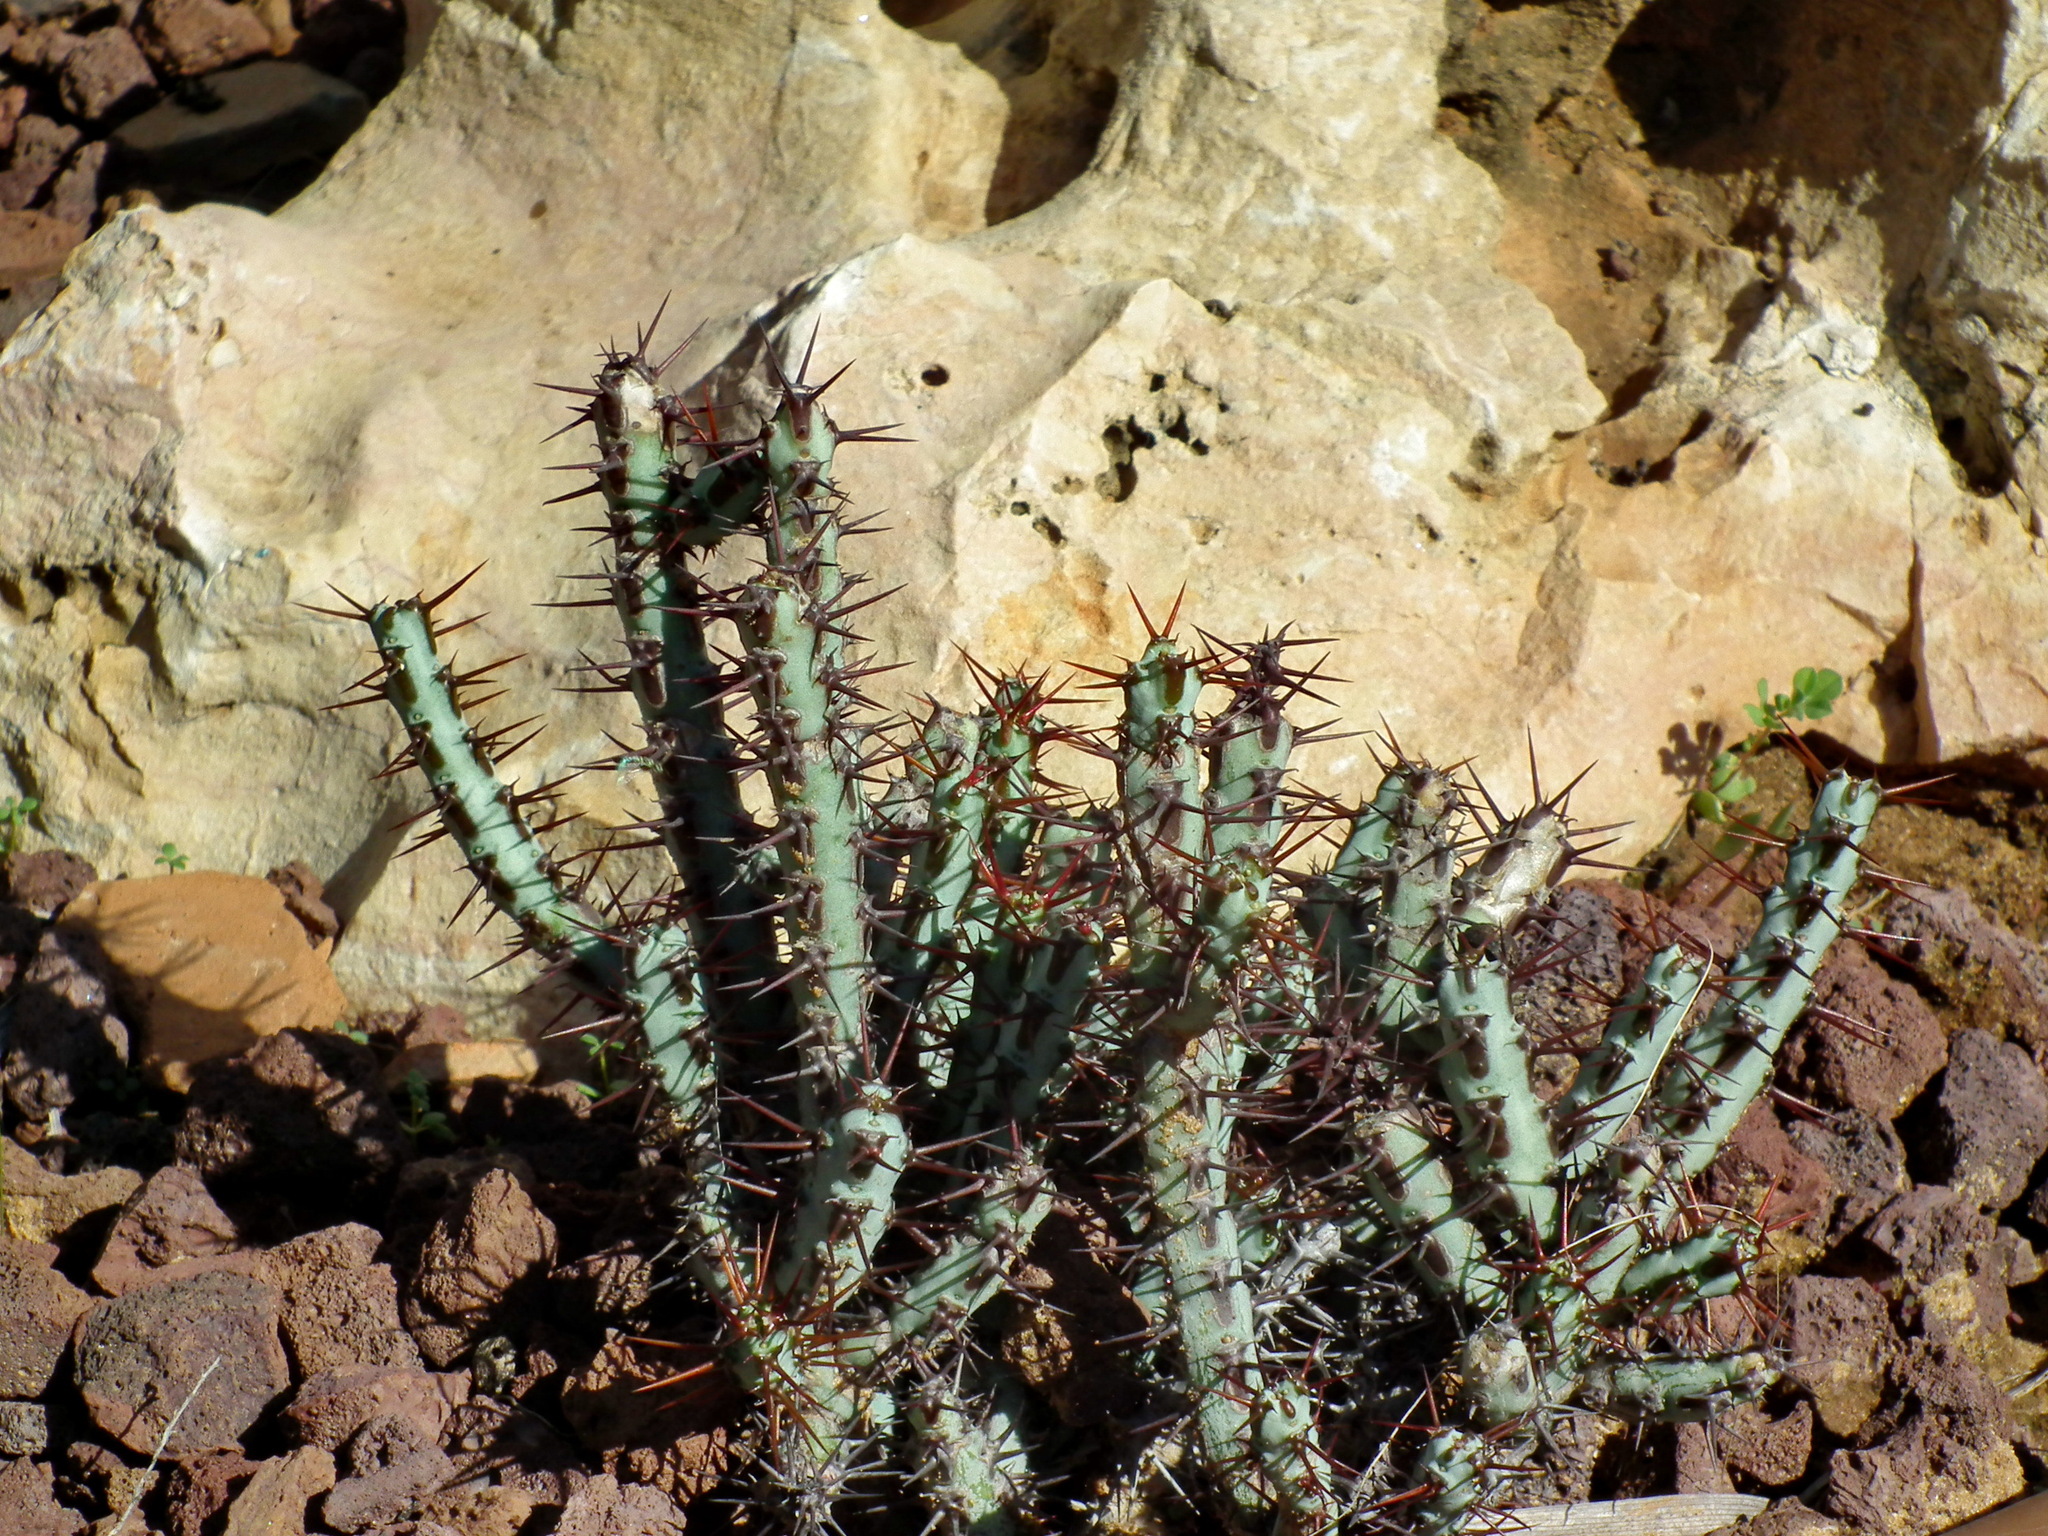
{"points": [[1484, 1071], [690, 757], [976, 1462], [1407, 1175], [1616, 1076], [475, 806], [1726, 1062]]}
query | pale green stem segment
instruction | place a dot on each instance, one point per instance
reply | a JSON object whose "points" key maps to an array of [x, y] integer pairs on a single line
{"points": [[972, 1264], [690, 756], [1483, 1070], [1416, 897], [1726, 1062], [1407, 1175], [1617, 1074], [976, 1464]]}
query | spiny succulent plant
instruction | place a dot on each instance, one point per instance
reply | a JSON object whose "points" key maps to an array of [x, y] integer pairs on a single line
{"points": [[913, 1003]]}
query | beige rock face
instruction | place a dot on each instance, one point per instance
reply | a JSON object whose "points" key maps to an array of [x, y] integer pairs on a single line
{"points": [[1563, 421]]}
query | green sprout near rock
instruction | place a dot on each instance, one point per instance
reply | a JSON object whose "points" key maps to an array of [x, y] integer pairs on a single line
{"points": [[170, 858], [917, 1005], [421, 1120], [1726, 785], [14, 814]]}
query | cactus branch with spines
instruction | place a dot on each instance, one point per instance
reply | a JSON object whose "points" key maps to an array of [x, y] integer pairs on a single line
{"points": [[962, 997]]}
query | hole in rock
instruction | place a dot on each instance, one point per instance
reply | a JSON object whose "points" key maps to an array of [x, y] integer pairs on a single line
{"points": [[935, 376], [1058, 62]]}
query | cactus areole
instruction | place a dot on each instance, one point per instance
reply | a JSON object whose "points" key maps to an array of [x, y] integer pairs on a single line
{"points": [[915, 999]]}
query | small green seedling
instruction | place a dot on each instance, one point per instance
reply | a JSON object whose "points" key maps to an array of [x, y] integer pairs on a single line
{"points": [[1813, 695], [170, 858], [422, 1119], [14, 815]]}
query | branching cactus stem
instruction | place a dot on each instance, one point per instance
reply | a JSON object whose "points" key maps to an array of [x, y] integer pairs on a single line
{"points": [[925, 1011]]}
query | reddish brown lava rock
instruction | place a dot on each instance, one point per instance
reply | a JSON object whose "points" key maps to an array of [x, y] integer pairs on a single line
{"points": [[673, 1438], [485, 1261], [37, 1320], [28, 1502], [65, 1036], [340, 1305], [45, 883], [301, 1109], [1840, 1339], [1864, 1159], [1950, 1258], [1868, 1042], [305, 899], [332, 1406], [602, 1507], [170, 1220], [494, 1438], [139, 1356], [1941, 1453], [103, 74], [201, 1485], [1990, 1120], [392, 1469], [191, 37], [1771, 1452], [1761, 1164]]}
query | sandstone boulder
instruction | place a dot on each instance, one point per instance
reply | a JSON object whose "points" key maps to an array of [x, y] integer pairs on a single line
{"points": [[1542, 434]]}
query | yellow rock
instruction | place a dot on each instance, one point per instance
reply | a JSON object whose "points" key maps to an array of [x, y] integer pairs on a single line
{"points": [[456, 1062], [214, 962], [40, 1205]]}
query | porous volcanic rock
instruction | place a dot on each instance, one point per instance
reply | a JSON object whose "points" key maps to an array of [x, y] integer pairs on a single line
{"points": [[1991, 1120], [42, 1307], [303, 1110], [142, 1355], [483, 1264]]}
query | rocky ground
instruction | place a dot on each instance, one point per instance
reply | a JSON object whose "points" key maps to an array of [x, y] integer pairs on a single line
{"points": [[106, 106], [376, 1278]]}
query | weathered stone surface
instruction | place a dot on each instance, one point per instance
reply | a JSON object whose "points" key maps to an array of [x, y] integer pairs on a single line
{"points": [[193, 37], [46, 882], [42, 1205], [141, 1356], [41, 1309], [1840, 1341], [215, 962], [303, 1099], [24, 1429], [65, 1037], [1272, 218], [201, 1485], [1991, 1120], [273, 1502], [168, 1223], [1865, 1162], [104, 73], [1869, 1042], [484, 1262], [602, 1508], [28, 1502], [1949, 1457], [340, 1305], [392, 1468], [332, 1406]]}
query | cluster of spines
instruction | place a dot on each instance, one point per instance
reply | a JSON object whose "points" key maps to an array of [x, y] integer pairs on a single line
{"points": [[966, 951]]}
